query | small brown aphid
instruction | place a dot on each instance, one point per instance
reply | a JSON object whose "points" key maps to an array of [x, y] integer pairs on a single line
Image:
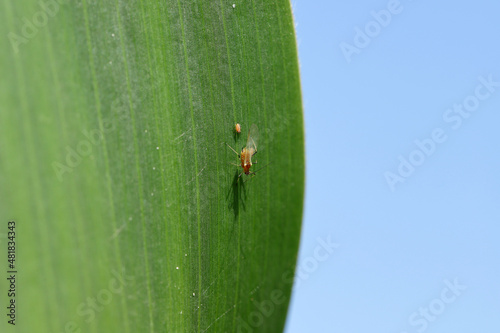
{"points": [[248, 151], [237, 128]]}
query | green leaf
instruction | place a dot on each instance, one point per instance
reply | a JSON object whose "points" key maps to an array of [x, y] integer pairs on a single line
{"points": [[129, 214]]}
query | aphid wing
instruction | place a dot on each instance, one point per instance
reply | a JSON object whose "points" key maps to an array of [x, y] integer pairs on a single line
{"points": [[253, 136]]}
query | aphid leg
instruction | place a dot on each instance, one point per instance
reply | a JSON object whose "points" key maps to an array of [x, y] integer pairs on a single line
{"points": [[253, 172], [253, 175], [239, 176], [232, 149]]}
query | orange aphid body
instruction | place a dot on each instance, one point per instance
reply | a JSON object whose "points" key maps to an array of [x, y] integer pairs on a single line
{"points": [[237, 128], [248, 151], [246, 159]]}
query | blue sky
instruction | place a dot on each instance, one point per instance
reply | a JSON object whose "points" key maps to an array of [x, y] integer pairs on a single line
{"points": [[417, 102]]}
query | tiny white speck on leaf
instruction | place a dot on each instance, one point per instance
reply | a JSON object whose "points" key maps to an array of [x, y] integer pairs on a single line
{"points": [[176, 267], [152, 194], [145, 131], [154, 168], [157, 148], [112, 35], [193, 294], [234, 5]]}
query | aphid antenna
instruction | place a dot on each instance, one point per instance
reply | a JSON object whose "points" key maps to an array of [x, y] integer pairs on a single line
{"points": [[232, 149], [262, 167]]}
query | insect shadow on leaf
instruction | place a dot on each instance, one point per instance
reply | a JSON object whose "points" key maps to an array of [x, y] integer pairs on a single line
{"points": [[236, 195]]}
